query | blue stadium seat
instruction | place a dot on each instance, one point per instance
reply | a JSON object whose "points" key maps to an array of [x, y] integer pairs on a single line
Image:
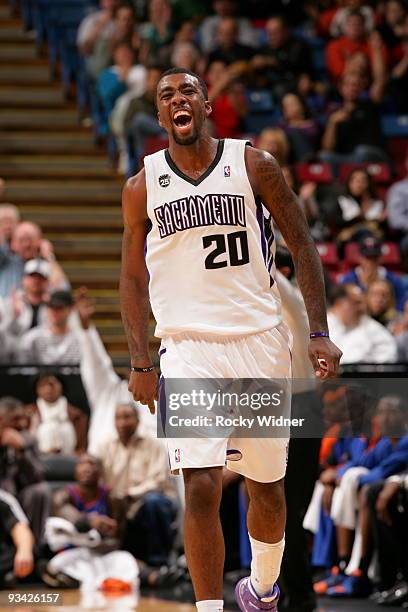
{"points": [[395, 125]]}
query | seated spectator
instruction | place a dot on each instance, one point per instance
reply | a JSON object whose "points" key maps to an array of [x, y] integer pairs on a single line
{"points": [[27, 243], [373, 83], [353, 133], [16, 541], [140, 120], [21, 470], [387, 457], [398, 83], [228, 101], [247, 35], [283, 60], [122, 30], [301, 129], [83, 521], [104, 389], [228, 50], [392, 29], [9, 219], [338, 23], [96, 27], [355, 41], [381, 303], [26, 308], [275, 142], [58, 426], [136, 470], [369, 269], [158, 33], [361, 211], [397, 213], [387, 502], [55, 343], [361, 339]]}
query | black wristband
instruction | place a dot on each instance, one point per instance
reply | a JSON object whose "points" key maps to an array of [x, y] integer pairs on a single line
{"points": [[147, 369], [319, 335]]}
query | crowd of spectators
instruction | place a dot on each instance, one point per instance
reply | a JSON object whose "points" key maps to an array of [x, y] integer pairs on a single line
{"points": [[324, 103]]}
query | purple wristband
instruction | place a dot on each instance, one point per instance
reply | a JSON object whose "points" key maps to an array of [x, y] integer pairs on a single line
{"points": [[319, 335]]}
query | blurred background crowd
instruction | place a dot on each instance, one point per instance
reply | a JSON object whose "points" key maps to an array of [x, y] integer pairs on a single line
{"points": [[323, 87]]}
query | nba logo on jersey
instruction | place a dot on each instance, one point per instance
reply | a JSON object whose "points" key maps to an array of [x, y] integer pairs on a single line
{"points": [[227, 171], [164, 180], [177, 455]]}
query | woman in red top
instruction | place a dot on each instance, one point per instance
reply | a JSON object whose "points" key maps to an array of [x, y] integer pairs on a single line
{"points": [[227, 98]]}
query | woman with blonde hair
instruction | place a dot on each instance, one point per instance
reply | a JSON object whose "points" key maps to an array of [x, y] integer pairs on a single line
{"points": [[274, 141]]}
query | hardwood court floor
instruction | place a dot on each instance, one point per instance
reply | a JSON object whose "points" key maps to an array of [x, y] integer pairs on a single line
{"points": [[71, 602]]}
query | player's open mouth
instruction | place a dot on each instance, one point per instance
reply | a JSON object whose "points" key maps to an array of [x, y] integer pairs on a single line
{"points": [[182, 119]]}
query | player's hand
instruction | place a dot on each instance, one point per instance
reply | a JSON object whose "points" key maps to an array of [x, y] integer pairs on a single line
{"points": [[23, 563], [327, 498], [382, 506], [12, 437], [144, 388], [325, 357]]}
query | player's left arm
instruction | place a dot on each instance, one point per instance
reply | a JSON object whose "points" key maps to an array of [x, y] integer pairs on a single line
{"points": [[270, 186]]}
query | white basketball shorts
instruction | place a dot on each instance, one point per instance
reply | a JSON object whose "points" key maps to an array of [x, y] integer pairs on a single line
{"points": [[263, 355]]}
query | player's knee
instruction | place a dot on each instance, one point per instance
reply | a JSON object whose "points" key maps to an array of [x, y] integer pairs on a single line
{"points": [[203, 489], [270, 499]]}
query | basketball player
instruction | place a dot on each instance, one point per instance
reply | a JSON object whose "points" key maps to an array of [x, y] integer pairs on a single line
{"points": [[198, 206]]}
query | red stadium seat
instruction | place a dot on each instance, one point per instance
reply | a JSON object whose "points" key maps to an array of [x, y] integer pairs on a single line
{"points": [[319, 172], [380, 172], [328, 254], [390, 255]]}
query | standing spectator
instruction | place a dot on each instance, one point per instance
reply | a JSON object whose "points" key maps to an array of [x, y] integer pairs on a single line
{"points": [[381, 303], [361, 339], [355, 41], [16, 541], [122, 30], [393, 28], [96, 27], [27, 243], [158, 33], [228, 49], [56, 343], [9, 219], [21, 471], [353, 132], [136, 469], [301, 129], [58, 426], [338, 23], [398, 83], [397, 210], [369, 269], [283, 60], [104, 389], [247, 35], [226, 96], [361, 211]]}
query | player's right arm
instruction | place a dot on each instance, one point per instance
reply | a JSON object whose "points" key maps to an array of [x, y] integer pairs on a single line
{"points": [[134, 288]]}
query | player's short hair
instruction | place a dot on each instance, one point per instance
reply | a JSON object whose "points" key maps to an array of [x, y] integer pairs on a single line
{"points": [[9, 404], [200, 80]]}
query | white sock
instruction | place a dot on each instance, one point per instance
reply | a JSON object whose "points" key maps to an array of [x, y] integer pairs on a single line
{"points": [[265, 566], [210, 605]]}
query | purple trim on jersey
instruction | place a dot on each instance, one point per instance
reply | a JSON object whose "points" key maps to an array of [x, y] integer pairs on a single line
{"points": [[261, 223], [162, 405], [162, 351]]}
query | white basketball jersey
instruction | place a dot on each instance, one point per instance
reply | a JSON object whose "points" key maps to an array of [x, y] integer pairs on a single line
{"points": [[209, 255]]}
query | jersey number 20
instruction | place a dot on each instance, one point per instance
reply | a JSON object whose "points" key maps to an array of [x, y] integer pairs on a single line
{"points": [[235, 245]]}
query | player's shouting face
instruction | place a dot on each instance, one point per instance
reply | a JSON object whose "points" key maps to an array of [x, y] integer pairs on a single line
{"points": [[182, 107]]}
